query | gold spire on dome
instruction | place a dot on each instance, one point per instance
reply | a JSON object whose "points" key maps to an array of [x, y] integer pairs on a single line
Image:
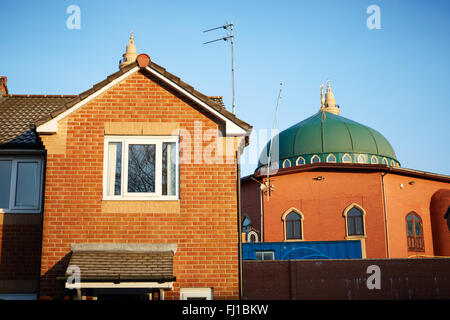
{"points": [[130, 55], [329, 104]]}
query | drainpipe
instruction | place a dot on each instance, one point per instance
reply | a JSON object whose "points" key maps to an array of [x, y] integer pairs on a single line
{"points": [[385, 212], [238, 189], [261, 195]]}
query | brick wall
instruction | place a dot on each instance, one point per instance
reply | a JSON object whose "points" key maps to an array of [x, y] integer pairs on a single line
{"points": [[20, 238], [203, 222], [346, 279]]}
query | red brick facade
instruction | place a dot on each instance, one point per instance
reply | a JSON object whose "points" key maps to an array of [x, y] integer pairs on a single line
{"points": [[203, 223]]}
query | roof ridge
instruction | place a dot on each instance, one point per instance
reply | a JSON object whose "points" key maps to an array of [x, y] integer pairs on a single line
{"points": [[42, 95]]}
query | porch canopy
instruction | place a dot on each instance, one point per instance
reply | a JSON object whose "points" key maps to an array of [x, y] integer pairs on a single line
{"points": [[108, 266]]}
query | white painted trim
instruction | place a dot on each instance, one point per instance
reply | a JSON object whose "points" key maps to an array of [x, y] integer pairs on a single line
{"points": [[52, 125], [112, 285], [232, 129], [186, 293]]}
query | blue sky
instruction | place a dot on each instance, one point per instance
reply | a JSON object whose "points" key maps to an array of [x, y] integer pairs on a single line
{"points": [[395, 79]]}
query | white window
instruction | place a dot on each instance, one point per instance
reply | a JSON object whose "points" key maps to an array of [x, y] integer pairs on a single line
{"points": [[20, 184], [141, 168], [264, 255], [196, 293]]}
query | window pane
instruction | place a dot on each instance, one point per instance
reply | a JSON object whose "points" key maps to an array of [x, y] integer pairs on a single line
{"points": [[354, 212], [409, 228], [268, 256], [351, 226], [292, 217], [27, 188], [141, 167], [359, 226], [114, 168], [259, 255], [418, 229], [289, 230], [169, 168], [297, 229], [5, 183]]}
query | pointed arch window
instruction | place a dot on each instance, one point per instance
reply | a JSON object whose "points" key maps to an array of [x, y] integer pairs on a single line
{"points": [[384, 161], [354, 220], [361, 159], [315, 159], [286, 163], [392, 163], [414, 232], [373, 160], [300, 161], [293, 225], [331, 158], [246, 224], [346, 158]]}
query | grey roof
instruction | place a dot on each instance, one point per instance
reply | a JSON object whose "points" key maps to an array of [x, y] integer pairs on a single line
{"points": [[19, 112], [122, 264]]}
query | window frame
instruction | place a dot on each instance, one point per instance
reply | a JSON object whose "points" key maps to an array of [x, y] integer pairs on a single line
{"points": [[298, 160], [315, 157], [285, 162], [15, 160], [415, 237], [186, 293], [263, 253], [150, 140], [347, 161], [363, 218], [302, 218], [334, 158]]}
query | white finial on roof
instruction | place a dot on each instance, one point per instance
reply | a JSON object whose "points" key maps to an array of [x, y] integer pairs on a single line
{"points": [[130, 55]]}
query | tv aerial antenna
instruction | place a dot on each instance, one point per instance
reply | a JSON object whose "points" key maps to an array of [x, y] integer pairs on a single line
{"points": [[230, 37], [269, 165]]}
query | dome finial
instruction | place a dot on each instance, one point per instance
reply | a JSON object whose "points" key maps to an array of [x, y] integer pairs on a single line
{"points": [[330, 102], [130, 54]]}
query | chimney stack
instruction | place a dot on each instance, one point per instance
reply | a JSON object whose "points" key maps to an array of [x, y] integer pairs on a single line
{"points": [[3, 87]]}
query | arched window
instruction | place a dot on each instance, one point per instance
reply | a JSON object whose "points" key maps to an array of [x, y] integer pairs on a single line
{"points": [[384, 161], [300, 161], [293, 226], [252, 236], [331, 158], [274, 165], [414, 232], [354, 221], [361, 159], [373, 160], [392, 163], [346, 158], [286, 163], [315, 159]]}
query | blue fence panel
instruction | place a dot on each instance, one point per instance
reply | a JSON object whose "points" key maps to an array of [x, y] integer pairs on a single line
{"points": [[348, 249]]}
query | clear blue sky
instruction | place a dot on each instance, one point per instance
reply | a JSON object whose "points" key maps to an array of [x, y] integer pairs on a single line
{"points": [[395, 80]]}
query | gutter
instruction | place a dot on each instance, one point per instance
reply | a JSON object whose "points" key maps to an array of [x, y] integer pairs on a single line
{"points": [[385, 211]]}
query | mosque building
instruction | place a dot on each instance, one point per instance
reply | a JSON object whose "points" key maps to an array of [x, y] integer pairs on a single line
{"points": [[336, 181]]}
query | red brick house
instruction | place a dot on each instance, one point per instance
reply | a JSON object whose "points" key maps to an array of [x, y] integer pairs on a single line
{"points": [[139, 190]]}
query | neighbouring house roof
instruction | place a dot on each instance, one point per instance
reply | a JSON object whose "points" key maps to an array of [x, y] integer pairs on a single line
{"points": [[18, 113], [21, 114], [122, 263]]}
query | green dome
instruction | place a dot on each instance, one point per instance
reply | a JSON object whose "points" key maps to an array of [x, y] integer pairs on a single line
{"points": [[326, 137]]}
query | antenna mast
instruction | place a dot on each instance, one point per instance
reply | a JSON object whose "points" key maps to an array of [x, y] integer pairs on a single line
{"points": [[269, 187], [230, 37]]}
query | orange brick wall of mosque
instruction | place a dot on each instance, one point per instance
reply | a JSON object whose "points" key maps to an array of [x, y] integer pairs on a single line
{"points": [[203, 223], [322, 203]]}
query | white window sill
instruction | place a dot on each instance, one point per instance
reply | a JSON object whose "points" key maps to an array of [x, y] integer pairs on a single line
{"points": [[165, 198], [33, 211]]}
